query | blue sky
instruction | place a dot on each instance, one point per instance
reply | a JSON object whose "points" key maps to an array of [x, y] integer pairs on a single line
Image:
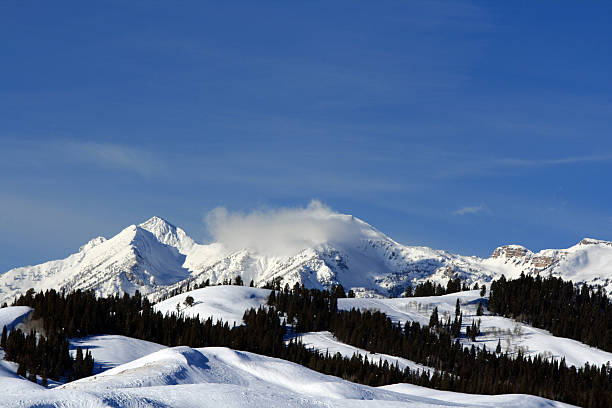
{"points": [[457, 125]]}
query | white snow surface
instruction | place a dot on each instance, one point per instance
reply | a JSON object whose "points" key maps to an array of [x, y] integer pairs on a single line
{"points": [[225, 302], [504, 400], [109, 350], [11, 316], [512, 335], [156, 257], [221, 377]]}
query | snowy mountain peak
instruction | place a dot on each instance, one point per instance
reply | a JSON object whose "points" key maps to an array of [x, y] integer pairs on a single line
{"points": [[168, 234], [134, 259], [157, 222]]}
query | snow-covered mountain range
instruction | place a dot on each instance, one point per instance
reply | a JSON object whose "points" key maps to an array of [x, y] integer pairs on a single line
{"points": [[156, 257]]}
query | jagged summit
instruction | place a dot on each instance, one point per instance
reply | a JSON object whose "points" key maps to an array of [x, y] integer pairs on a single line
{"points": [[134, 259], [168, 234], [156, 257]]}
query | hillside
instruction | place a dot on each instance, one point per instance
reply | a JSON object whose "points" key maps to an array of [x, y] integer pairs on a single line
{"points": [[214, 377]]}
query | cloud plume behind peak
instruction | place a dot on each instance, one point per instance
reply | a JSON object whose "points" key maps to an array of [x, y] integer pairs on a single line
{"points": [[284, 231]]}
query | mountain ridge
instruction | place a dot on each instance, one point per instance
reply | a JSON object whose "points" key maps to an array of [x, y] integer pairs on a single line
{"points": [[156, 258]]}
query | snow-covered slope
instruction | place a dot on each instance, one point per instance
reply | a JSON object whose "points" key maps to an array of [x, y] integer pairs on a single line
{"points": [[227, 303], [110, 350], [325, 342], [221, 377], [512, 335], [157, 257], [13, 315]]}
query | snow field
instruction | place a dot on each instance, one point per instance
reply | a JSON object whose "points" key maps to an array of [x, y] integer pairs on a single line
{"points": [[226, 302], [513, 336], [221, 377]]}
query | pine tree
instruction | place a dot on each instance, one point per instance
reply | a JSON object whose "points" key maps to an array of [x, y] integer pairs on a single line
{"points": [[483, 290], [457, 308], [479, 310], [433, 320], [32, 375], [189, 301], [498, 349], [77, 367], [21, 370], [3, 338]]}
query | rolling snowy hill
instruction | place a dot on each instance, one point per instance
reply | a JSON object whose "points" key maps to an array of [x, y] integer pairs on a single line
{"points": [[156, 258], [221, 377]]}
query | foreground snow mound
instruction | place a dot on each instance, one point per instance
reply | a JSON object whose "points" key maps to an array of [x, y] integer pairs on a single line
{"points": [[225, 302], [10, 382], [472, 400], [221, 377]]}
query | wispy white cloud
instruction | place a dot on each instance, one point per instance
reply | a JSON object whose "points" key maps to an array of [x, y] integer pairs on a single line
{"points": [[474, 209], [116, 156], [518, 162], [461, 166]]}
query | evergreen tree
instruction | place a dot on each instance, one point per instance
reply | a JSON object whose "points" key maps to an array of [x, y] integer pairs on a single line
{"points": [[433, 319], [479, 310], [3, 338], [32, 375], [21, 370], [189, 301]]}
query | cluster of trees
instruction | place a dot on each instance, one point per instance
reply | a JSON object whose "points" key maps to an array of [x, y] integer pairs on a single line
{"points": [[458, 368], [429, 288], [583, 314], [44, 356]]}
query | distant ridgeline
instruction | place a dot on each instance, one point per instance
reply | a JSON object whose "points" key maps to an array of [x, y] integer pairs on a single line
{"points": [[436, 345]]}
